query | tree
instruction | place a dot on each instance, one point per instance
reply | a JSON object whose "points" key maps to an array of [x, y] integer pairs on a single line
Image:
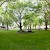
{"points": [[1, 16], [6, 16], [7, 20], [28, 20], [45, 9], [35, 23], [18, 9]]}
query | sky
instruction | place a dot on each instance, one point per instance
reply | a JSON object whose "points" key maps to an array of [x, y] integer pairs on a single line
{"points": [[28, 0], [4, 5]]}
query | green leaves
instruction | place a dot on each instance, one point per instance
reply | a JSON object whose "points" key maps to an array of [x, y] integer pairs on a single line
{"points": [[27, 11], [38, 8], [28, 18]]}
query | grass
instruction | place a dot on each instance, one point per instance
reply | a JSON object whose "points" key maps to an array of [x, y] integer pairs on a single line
{"points": [[12, 40]]}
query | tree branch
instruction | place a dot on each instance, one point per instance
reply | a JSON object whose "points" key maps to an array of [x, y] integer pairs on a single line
{"points": [[47, 2], [2, 3]]}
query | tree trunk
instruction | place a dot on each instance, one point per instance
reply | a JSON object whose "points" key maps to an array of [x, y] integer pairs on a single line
{"points": [[20, 27], [45, 25], [20, 24], [7, 27], [2, 24], [30, 26], [35, 27]]}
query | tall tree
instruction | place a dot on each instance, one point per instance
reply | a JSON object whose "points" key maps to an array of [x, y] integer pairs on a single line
{"points": [[18, 9], [28, 20], [45, 9]]}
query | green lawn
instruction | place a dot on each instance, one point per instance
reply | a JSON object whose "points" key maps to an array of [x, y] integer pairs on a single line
{"points": [[12, 40]]}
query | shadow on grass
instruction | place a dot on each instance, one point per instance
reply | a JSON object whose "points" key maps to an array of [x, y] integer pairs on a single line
{"points": [[25, 32]]}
